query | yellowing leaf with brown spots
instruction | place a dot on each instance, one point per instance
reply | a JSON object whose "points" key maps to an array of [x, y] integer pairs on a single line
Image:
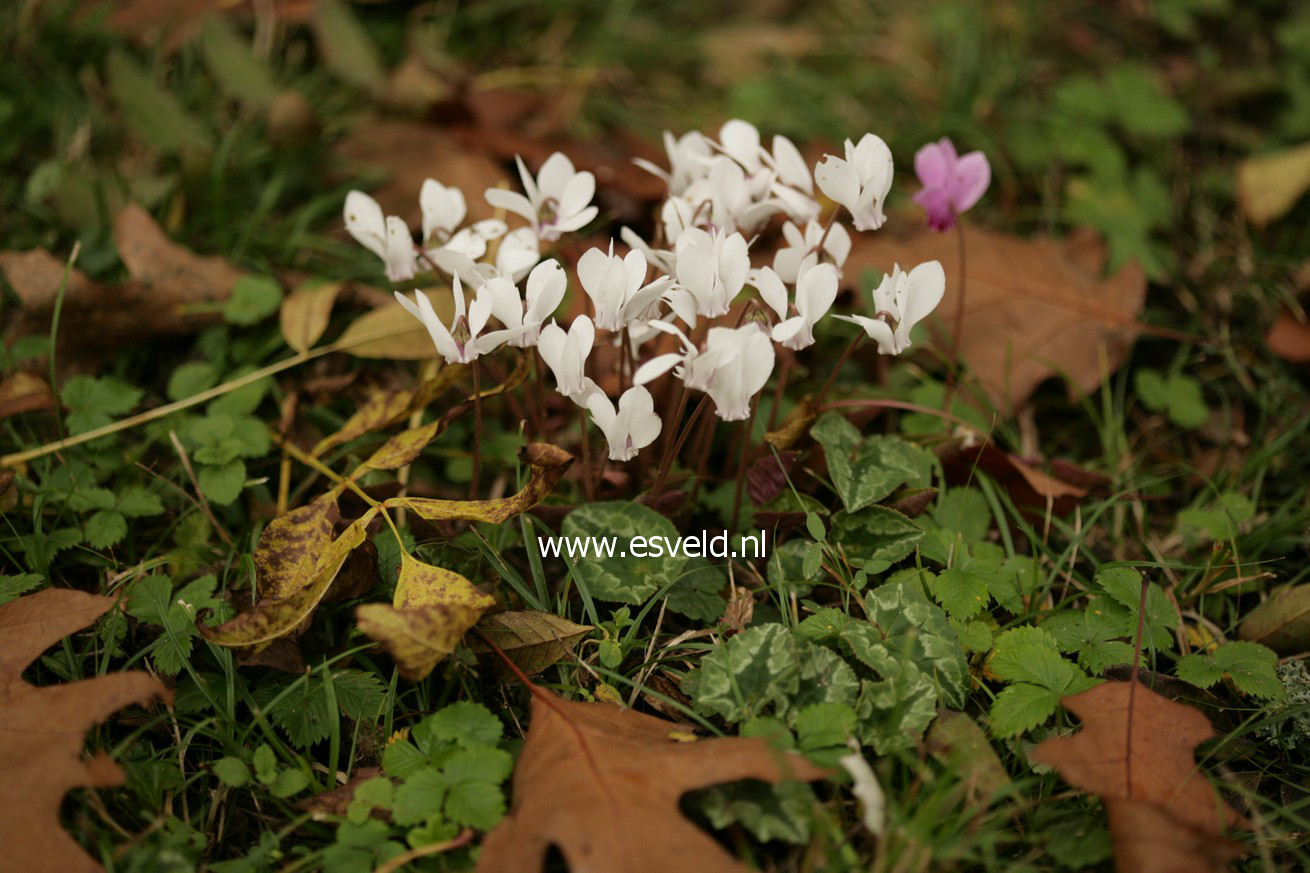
{"points": [[432, 610], [290, 546], [43, 731], [404, 447], [382, 409], [275, 617], [548, 465]]}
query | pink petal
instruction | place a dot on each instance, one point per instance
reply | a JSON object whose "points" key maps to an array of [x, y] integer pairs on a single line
{"points": [[937, 203], [972, 176], [948, 150], [931, 167]]}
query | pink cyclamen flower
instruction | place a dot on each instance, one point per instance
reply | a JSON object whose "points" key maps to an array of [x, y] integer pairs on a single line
{"points": [[951, 183]]}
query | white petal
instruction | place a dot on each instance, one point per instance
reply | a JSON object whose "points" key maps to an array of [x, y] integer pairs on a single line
{"points": [[511, 201], [815, 291], [400, 256], [792, 168], [546, 285], [741, 141], [554, 176], [576, 195], [877, 330], [925, 287], [364, 221], [772, 290], [786, 330], [655, 367], [838, 180]]}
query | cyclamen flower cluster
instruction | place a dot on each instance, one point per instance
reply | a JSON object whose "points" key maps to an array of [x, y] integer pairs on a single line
{"points": [[720, 193]]}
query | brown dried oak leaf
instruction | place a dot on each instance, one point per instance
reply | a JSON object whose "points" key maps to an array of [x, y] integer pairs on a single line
{"points": [[43, 731], [1033, 308], [602, 783], [1136, 751]]}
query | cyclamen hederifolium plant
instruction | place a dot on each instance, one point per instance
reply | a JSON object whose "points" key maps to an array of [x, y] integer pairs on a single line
{"points": [[682, 284]]}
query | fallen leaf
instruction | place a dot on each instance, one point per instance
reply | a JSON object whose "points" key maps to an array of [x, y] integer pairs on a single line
{"points": [[382, 408], [1282, 622], [273, 618], [602, 784], [548, 464], [43, 730], [1137, 752], [24, 392], [1028, 486], [305, 314], [337, 801], [170, 274], [172, 23], [290, 546], [1289, 338], [533, 640], [1269, 185], [1033, 308], [390, 332], [410, 152]]}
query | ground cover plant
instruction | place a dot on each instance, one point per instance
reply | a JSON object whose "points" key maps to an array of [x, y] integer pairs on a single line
{"points": [[616, 437]]}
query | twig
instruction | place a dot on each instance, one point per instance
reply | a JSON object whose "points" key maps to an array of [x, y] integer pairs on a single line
{"points": [[16, 458], [463, 839]]}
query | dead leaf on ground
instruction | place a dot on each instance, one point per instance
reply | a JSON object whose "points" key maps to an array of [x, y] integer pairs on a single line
{"points": [[533, 640], [1028, 485], [24, 392], [1289, 338], [602, 784], [1282, 622], [410, 152], [43, 730], [1033, 308], [166, 279], [1269, 185], [337, 801], [305, 313], [172, 23], [1165, 817], [958, 742]]}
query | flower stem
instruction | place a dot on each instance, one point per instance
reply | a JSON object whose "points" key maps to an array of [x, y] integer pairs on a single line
{"points": [[677, 447], [586, 455], [741, 464], [832, 377], [788, 361], [477, 431], [957, 330], [667, 458]]}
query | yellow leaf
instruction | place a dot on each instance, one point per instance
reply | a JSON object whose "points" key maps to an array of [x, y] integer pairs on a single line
{"points": [[1269, 185], [422, 584], [402, 448], [391, 332], [305, 314], [548, 465], [290, 546], [794, 426], [270, 619], [417, 639], [384, 408]]}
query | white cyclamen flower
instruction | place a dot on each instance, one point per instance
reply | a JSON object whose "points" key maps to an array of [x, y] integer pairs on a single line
{"points": [[545, 290], [387, 237], [713, 268], [444, 211], [744, 360], [460, 343], [557, 201], [861, 182], [615, 287], [688, 159], [901, 302], [518, 253], [816, 289], [836, 248], [793, 185], [566, 355], [632, 427]]}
